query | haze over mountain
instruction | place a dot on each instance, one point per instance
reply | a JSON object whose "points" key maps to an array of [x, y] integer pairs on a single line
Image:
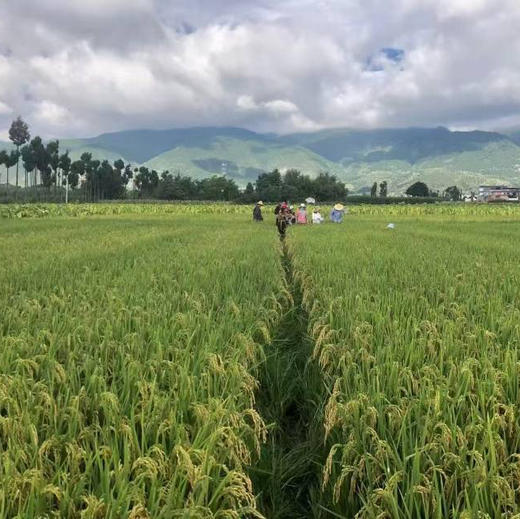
{"points": [[437, 156]]}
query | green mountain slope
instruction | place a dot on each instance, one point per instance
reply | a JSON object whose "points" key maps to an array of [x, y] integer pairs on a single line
{"points": [[408, 144], [140, 146], [494, 163], [241, 159]]}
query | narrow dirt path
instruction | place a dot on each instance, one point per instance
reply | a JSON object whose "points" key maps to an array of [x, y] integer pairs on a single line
{"points": [[286, 478]]}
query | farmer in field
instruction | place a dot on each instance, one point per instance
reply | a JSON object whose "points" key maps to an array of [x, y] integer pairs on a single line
{"points": [[301, 215], [257, 212], [282, 219], [292, 219], [337, 213], [316, 216], [279, 206]]}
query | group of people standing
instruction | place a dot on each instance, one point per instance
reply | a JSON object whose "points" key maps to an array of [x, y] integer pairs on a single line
{"points": [[286, 215]]}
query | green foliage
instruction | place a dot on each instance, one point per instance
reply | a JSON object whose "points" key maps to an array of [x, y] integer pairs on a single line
{"points": [[19, 132], [452, 193], [273, 187], [418, 189]]}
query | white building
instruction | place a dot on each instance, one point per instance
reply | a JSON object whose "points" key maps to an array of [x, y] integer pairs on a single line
{"points": [[498, 193]]}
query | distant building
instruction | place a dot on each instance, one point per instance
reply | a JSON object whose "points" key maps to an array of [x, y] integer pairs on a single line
{"points": [[498, 193]]}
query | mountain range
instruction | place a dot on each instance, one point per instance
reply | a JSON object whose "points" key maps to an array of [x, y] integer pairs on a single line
{"points": [[437, 156]]}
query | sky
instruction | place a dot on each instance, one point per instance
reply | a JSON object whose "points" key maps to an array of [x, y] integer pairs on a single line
{"points": [[84, 67]]}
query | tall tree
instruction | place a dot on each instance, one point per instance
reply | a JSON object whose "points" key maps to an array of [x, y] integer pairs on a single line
{"points": [[418, 189], [11, 160], [269, 186], [64, 164], [217, 188], [327, 188], [19, 135], [41, 160], [373, 190], [28, 161], [3, 158], [176, 187], [53, 151], [77, 170], [452, 193], [146, 181], [383, 189]]}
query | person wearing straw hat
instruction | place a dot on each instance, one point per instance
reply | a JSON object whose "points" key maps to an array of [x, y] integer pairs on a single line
{"points": [[257, 212], [337, 213]]}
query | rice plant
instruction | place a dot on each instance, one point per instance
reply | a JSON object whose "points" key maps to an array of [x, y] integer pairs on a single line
{"points": [[138, 375], [417, 334], [128, 354]]}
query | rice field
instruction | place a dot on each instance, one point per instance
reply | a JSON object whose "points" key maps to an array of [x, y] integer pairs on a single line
{"points": [[127, 354], [417, 332], [180, 361]]}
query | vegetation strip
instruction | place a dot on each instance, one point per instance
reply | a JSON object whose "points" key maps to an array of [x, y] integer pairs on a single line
{"points": [[286, 478]]}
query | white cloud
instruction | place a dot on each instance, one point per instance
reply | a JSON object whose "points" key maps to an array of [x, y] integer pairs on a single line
{"points": [[98, 65], [4, 109]]}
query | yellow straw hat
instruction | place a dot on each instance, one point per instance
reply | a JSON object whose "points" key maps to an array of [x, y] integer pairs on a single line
{"points": [[339, 207], [260, 203]]}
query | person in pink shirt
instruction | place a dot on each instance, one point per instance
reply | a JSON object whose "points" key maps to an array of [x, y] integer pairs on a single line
{"points": [[301, 215]]}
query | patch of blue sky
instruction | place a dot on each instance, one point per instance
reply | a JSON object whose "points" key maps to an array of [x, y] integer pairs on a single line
{"points": [[377, 62]]}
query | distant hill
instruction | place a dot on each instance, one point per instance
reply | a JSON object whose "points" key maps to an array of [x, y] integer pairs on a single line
{"points": [[241, 159], [515, 136], [436, 156], [408, 144], [142, 145]]}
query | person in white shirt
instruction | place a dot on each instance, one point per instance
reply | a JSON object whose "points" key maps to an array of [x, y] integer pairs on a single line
{"points": [[316, 216]]}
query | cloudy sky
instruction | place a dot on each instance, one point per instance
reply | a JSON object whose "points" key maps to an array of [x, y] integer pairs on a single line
{"points": [[82, 67]]}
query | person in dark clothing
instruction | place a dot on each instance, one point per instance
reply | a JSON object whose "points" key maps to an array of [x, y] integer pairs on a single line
{"points": [[257, 212], [279, 206], [282, 219]]}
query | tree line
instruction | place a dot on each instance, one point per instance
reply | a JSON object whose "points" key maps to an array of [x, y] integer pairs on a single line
{"points": [[418, 189], [44, 166]]}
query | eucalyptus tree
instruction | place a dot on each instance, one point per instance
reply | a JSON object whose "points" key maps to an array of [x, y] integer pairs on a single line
{"points": [[29, 164], [53, 151], [41, 158], [19, 135], [64, 165], [11, 160], [3, 158]]}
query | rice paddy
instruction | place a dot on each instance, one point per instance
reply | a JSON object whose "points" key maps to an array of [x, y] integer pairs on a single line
{"points": [[180, 361]]}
